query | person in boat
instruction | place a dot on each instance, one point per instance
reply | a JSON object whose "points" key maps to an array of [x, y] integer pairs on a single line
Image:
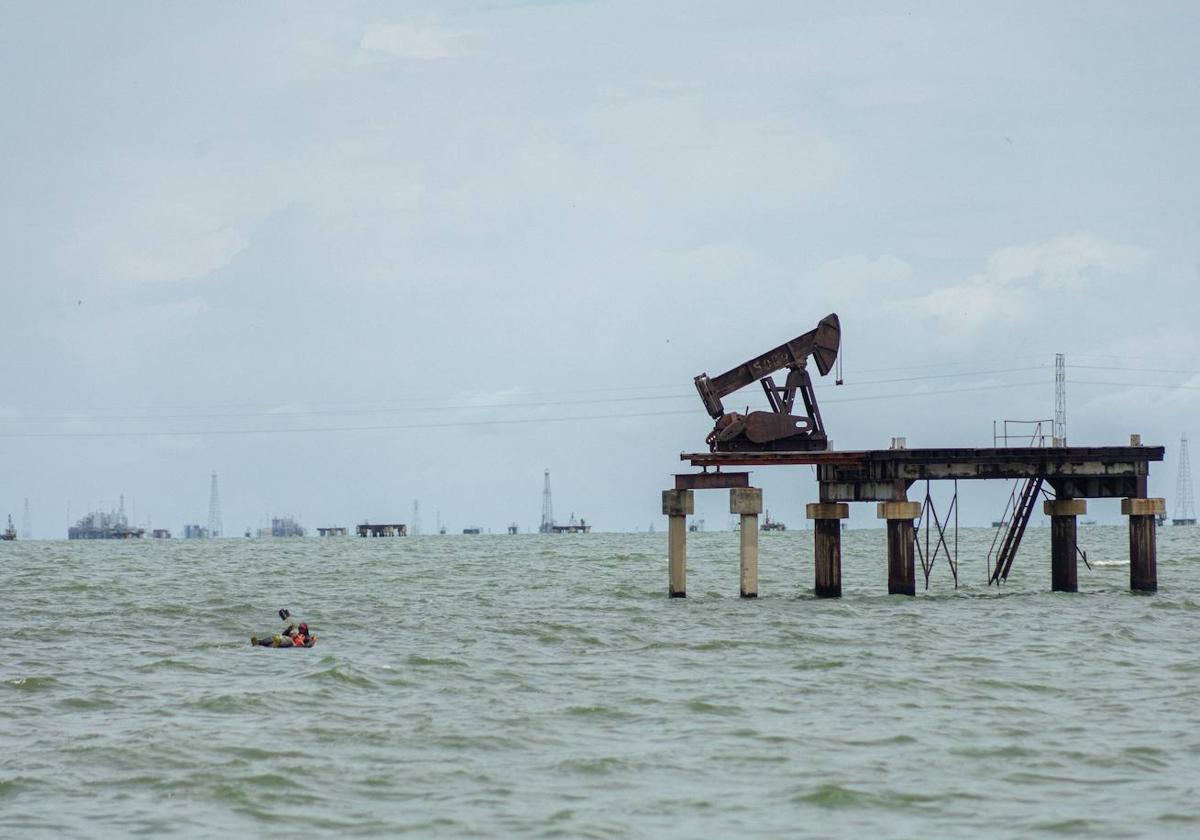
{"points": [[295, 634], [290, 623], [301, 638]]}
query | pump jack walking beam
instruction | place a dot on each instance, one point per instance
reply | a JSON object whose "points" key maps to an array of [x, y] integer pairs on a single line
{"points": [[777, 429]]}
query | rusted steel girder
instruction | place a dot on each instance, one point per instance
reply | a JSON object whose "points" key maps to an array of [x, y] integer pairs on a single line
{"points": [[711, 480], [885, 475]]}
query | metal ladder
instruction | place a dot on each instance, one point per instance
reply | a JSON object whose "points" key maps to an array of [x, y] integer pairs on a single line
{"points": [[1022, 510]]}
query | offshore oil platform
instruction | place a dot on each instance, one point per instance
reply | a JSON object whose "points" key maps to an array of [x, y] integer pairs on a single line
{"points": [[99, 525], [549, 526], [1062, 477]]}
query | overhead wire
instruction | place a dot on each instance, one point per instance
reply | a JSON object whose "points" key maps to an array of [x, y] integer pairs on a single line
{"points": [[464, 404], [1166, 385], [458, 423], [461, 405]]}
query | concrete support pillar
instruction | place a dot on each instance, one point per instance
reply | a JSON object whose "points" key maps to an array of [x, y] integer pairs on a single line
{"points": [[747, 503], [1143, 550], [1064, 565], [902, 567], [677, 504], [827, 550]]}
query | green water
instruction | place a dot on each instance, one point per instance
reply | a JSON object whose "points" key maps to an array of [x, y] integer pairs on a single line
{"points": [[542, 686]]}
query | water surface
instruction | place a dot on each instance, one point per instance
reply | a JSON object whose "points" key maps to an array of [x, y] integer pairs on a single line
{"points": [[544, 686]]}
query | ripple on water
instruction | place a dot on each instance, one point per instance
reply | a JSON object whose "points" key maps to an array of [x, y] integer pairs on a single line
{"points": [[819, 665], [703, 707], [600, 712], [420, 661], [342, 676], [1175, 605], [595, 766], [840, 797], [1076, 826], [31, 685], [170, 664], [12, 787], [86, 703]]}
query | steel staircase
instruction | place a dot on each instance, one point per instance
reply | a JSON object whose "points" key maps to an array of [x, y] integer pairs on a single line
{"points": [[1022, 510]]}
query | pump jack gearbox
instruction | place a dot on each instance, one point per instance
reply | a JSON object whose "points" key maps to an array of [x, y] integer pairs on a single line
{"points": [[777, 430]]}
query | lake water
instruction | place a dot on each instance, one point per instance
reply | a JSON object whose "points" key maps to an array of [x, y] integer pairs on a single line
{"points": [[542, 686]]}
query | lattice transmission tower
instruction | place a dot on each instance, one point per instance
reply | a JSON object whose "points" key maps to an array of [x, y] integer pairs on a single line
{"points": [[1185, 506], [1060, 400], [547, 508], [415, 530], [26, 524], [214, 510]]}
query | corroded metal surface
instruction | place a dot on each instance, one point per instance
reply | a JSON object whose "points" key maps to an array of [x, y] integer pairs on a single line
{"points": [[1063, 459], [828, 558], [1143, 554], [711, 480], [1064, 563], [886, 474], [778, 428], [902, 567]]}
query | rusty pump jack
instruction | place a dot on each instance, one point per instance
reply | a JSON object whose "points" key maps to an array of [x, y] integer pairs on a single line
{"points": [[778, 429]]}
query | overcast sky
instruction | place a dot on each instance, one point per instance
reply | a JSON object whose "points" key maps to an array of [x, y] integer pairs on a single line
{"points": [[469, 222]]}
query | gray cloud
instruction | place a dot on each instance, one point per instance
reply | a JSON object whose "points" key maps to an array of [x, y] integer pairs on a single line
{"points": [[350, 256]]}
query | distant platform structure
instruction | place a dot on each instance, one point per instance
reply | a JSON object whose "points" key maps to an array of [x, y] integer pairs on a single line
{"points": [[383, 530], [770, 524], [161, 534], [572, 527], [548, 525], [195, 532], [333, 532], [1185, 507], [285, 526], [472, 530], [99, 525]]}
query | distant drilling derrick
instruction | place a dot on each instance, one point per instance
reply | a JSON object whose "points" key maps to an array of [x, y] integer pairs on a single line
{"points": [[547, 525], [214, 510], [26, 524], [1185, 507], [1060, 400]]}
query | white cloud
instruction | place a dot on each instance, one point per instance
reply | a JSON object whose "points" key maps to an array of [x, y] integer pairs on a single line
{"points": [[1018, 278], [1068, 262], [415, 42], [181, 255], [856, 274]]}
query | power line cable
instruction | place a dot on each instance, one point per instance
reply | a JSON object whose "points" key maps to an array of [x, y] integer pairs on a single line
{"points": [[461, 405], [465, 423], [1167, 385], [1135, 369]]}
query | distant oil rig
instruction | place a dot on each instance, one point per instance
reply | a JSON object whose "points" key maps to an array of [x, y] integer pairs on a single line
{"points": [[1185, 507], [99, 525], [548, 525]]}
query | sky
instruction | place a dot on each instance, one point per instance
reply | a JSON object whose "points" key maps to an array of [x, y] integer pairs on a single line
{"points": [[352, 255]]}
